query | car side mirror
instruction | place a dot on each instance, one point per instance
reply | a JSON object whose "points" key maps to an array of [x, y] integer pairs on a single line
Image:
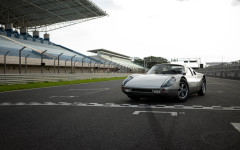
{"points": [[184, 73]]}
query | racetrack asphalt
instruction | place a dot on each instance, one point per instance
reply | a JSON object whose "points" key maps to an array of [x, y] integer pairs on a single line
{"points": [[99, 116]]}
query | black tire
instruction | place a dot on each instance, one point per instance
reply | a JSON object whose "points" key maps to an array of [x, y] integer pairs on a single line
{"points": [[133, 97], [203, 88], [183, 92]]}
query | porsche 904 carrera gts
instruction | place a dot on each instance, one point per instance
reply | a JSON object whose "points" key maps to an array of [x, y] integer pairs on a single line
{"points": [[171, 80]]}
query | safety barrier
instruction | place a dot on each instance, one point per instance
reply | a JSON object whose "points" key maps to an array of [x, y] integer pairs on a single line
{"points": [[28, 78]]}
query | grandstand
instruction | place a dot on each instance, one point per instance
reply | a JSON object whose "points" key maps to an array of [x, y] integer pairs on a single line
{"points": [[122, 62], [22, 52]]}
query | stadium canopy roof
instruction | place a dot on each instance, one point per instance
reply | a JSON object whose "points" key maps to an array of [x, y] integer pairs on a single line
{"points": [[47, 15], [104, 51]]}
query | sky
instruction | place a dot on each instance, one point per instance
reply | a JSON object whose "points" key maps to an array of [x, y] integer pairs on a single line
{"points": [[206, 29]]}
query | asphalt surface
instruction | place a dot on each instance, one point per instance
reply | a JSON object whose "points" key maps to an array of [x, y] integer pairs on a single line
{"points": [[99, 116]]}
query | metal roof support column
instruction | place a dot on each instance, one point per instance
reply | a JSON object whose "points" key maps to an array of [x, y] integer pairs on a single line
{"points": [[58, 61], [66, 66], [119, 65], [74, 66], [26, 63], [104, 67], [121, 68], [109, 66], [42, 60], [71, 63], [99, 65], [94, 67], [90, 65], [5, 65], [98, 69], [20, 62], [54, 64], [82, 63]]}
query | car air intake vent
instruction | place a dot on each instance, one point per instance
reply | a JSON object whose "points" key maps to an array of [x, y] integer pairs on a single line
{"points": [[142, 90]]}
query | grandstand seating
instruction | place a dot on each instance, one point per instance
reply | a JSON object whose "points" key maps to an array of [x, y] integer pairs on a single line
{"points": [[12, 42], [123, 62], [118, 61]]}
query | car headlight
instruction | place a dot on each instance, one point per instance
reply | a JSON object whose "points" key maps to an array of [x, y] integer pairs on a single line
{"points": [[128, 79], [169, 82]]}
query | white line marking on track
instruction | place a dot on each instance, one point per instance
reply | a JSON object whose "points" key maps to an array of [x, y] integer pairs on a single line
{"points": [[63, 96], [93, 90], [157, 106], [174, 114], [89, 89], [105, 89], [236, 125]]}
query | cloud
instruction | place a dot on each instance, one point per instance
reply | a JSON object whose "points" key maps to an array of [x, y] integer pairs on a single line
{"points": [[236, 2], [165, 28]]}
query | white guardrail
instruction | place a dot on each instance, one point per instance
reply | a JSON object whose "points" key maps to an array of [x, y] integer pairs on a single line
{"points": [[28, 78]]}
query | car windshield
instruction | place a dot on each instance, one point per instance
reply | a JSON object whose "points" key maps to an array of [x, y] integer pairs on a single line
{"points": [[166, 69]]}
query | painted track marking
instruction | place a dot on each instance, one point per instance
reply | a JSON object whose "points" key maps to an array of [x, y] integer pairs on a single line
{"points": [[236, 125], [157, 106], [157, 112]]}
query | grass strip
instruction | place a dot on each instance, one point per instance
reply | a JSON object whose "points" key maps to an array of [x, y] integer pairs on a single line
{"points": [[12, 87]]}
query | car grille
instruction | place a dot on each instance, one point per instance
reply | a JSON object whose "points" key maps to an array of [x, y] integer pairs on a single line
{"points": [[142, 90]]}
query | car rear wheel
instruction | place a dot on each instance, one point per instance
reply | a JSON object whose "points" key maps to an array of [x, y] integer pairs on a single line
{"points": [[203, 88], [183, 91]]}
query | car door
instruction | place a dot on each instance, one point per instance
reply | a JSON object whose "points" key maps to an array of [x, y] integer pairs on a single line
{"points": [[191, 78]]}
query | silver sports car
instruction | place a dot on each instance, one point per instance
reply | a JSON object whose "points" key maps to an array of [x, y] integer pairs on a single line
{"points": [[165, 80]]}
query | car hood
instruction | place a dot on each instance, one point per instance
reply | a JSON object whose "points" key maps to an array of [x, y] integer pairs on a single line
{"points": [[147, 81]]}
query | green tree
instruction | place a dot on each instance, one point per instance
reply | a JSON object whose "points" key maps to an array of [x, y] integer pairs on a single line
{"points": [[139, 62], [150, 61]]}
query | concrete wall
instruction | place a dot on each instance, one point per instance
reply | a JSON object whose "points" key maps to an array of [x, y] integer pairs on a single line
{"points": [[34, 66], [229, 71]]}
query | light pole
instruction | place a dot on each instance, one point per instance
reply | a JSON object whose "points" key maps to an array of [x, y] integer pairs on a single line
{"points": [[26, 63], [20, 62], [58, 61], [5, 65], [42, 60], [54, 64], [82, 63], [71, 63], [66, 66], [74, 65], [90, 66]]}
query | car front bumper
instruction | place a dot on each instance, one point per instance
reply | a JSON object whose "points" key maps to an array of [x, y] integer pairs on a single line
{"points": [[149, 92]]}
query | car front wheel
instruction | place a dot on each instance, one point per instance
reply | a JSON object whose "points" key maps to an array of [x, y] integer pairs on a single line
{"points": [[183, 91]]}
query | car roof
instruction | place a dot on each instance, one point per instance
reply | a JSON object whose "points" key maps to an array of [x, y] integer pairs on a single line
{"points": [[170, 64]]}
